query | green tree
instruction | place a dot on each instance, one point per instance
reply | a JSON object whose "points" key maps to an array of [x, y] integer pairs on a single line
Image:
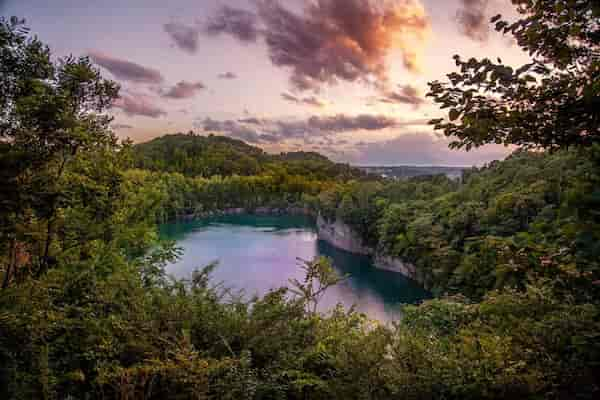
{"points": [[550, 103], [319, 275], [50, 114]]}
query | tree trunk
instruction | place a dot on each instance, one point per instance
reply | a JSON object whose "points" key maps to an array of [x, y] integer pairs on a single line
{"points": [[11, 264], [45, 262]]}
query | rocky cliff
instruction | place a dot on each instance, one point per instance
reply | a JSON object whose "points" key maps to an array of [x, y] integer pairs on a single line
{"points": [[342, 236]]}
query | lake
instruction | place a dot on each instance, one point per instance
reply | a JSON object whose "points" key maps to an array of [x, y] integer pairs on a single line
{"points": [[259, 253]]}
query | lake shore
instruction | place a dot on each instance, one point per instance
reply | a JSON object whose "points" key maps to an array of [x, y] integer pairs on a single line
{"points": [[336, 233]]}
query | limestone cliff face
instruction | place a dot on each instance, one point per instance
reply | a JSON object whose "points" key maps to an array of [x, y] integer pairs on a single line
{"points": [[342, 236], [396, 265]]}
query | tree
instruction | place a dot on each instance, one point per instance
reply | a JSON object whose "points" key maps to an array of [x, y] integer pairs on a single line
{"points": [[319, 276], [550, 103], [49, 114]]}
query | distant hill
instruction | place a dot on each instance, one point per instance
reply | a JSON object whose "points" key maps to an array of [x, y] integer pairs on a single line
{"points": [[199, 155], [409, 171], [194, 155], [302, 156]]}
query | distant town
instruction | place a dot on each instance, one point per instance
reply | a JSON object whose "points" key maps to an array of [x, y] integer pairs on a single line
{"points": [[410, 171]]}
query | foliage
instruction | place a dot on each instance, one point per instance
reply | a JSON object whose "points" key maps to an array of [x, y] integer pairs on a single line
{"points": [[87, 310], [51, 130], [115, 337], [174, 195], [534, 213], [206, 156], [319, 276], [550, 103]]}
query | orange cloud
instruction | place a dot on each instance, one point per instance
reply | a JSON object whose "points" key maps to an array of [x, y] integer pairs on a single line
{"points": [[337, 40]]}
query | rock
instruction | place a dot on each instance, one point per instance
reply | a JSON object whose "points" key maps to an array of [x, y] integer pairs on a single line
{"points": [[234, 211], [395, 265], [187, 217], [264, 211], [301, 211], [340, 235]]}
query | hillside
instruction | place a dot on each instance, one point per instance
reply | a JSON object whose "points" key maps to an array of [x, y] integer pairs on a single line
{"points": [[199, 155], [206, 156], [465, 237]]}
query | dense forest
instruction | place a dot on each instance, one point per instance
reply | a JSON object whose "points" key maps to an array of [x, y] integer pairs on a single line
{"points": [[208, 156], [511, 250], [175, 166], [534, 213]]}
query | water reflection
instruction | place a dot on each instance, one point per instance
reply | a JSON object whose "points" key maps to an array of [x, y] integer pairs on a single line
{"points": [[257, 254], [374, 291]]}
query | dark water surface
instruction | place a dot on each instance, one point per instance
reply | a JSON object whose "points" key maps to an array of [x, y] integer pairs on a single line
{"points": [[259, 253]]}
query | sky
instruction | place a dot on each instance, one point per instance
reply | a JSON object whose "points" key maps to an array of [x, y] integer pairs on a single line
{"points": [[346, 78]]}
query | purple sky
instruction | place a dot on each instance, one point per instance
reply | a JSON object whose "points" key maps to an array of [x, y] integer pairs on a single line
{"points": [[346, 78]]}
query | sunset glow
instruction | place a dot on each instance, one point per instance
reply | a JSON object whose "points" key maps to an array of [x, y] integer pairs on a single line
{"points": [[261, 71]]}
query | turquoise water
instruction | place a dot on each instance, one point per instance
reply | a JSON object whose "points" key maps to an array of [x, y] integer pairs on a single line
{"points": [[259, 253]]}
